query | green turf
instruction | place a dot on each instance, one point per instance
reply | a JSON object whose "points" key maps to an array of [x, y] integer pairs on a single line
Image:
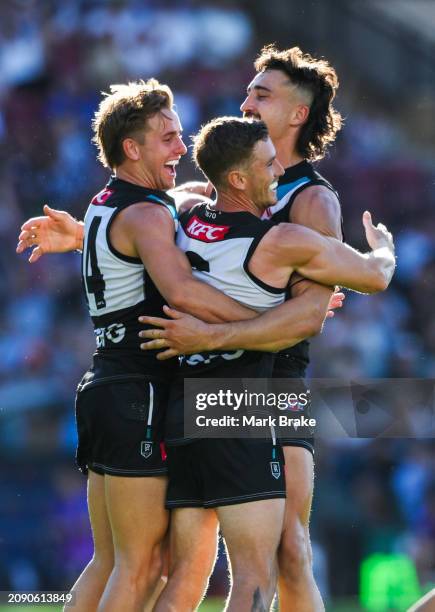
{"points": [[213, 605]]}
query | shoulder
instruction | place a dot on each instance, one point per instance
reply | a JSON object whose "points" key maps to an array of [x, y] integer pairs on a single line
{"points": [[291, 243], [146, 217], [318, 207], [319, 196], [286, 235], [184, 201]]}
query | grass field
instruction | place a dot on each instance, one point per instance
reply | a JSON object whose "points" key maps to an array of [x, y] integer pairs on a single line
{"points": [[212, 606]]}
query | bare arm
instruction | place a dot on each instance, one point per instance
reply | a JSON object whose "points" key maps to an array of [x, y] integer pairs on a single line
{"points": [[318, 208], [328, 261], [279, 328], [149, 230]]}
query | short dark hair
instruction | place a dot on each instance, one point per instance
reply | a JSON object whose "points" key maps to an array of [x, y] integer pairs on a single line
{"points": [[226, 143], [123, 113], [317, 77]]}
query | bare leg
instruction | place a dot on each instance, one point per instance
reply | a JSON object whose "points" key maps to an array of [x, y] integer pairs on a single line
{"points": [[252, 532], [193, 544], [297, 587], [91, 583], [162, 562], [139, 523]]}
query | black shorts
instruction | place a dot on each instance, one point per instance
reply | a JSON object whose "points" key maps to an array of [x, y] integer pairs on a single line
{"points": [[220, 472], [286, 366], [120, 423]]}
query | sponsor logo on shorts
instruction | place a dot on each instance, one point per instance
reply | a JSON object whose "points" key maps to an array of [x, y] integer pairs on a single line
{"points": [[146, 449], [206, 232], [275, 468]]}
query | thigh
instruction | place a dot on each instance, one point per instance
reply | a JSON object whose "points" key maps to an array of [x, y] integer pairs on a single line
{"points": [[193, 538], [120, 427], [252, 529], [137, 514], [235, 471]]}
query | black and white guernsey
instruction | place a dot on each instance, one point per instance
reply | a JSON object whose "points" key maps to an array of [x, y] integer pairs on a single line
{"points": [[219, 246], [295, 180], [118, 288]]}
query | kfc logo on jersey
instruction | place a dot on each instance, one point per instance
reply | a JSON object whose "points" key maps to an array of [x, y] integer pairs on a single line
{"points": [[101, 197], [206, 232]]}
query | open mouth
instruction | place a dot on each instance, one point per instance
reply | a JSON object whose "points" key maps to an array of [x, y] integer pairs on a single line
{"points": [[250, 115], [273, 186], [170, 167]]}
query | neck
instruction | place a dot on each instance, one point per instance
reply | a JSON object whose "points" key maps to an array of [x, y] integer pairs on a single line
{"points": [[132, 175], [286, 152], [235, 201]]}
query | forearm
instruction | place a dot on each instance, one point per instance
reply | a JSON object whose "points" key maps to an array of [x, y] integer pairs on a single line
{"points": [[274, 330], [207, 303], [339, 264]]}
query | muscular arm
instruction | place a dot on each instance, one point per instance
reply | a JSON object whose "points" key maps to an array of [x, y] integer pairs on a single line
{"points": [[147, 231], [329, 261], [280, 327], [318, 208]]}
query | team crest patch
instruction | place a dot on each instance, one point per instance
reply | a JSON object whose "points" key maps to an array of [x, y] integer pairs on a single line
{"points": [[146, 449], [275, 468]]}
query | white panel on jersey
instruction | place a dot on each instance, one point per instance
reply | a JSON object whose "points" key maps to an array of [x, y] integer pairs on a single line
{"points": [[224, 260], [272, 210], [124, 280]]}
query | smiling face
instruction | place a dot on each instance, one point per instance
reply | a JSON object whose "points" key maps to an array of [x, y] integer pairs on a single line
{"points": [[263, 172], [274, 99], [161, 149]]}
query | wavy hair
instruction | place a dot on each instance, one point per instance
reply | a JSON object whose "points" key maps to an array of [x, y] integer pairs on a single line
{"points": [[319, 79]]}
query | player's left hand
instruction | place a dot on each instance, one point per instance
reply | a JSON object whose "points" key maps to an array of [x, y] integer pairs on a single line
{"points": [[335, 302], [182, 334]]}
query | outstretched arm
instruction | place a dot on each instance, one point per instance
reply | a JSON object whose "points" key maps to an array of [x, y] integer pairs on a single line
{"points": [[56, 232], [331, 262]]}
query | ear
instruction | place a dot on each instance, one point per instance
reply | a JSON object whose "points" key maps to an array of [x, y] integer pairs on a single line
{"points": [[300, 115], [131, 149], [237, 179]]}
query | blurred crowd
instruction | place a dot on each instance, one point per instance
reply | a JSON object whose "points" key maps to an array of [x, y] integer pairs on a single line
{"points": [[55, 58]]}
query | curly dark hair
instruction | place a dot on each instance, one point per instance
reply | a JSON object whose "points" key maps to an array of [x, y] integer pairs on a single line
{"points": [[123, 114], [226, 143], [318, 78]]}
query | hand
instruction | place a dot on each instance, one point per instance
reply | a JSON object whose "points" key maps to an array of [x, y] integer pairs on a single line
{"points": [[336, 301], [378, 236], [182, 334], [57, 232]]}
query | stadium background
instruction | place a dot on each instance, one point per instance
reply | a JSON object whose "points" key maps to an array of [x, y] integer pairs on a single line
{"points": [[371, 496]]}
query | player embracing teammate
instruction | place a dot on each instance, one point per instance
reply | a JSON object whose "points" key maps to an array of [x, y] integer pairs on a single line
{"points": [[292, 93]]}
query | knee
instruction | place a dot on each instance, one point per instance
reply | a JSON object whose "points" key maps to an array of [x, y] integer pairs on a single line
{"points": [[136, 571], [156, 565], [256, 569], [295, 557], [103, 562]]}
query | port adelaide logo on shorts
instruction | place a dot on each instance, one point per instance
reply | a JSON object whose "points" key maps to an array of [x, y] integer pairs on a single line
{"points": [[146, 449], [275, 468]]}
